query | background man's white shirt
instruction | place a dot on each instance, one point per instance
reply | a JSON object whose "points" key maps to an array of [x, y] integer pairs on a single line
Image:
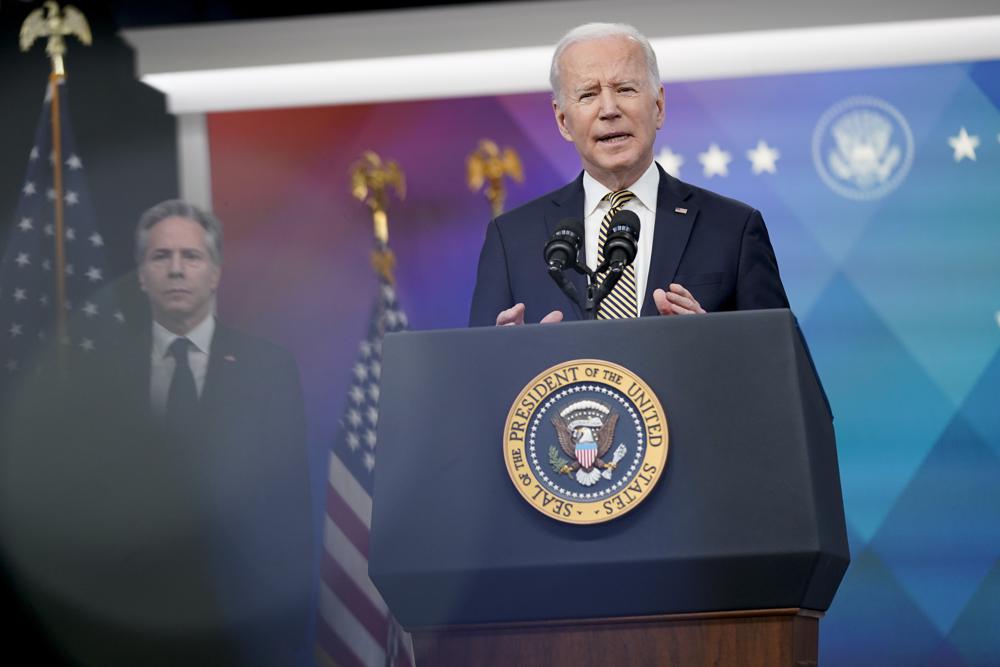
{"points": [[162, 362]]}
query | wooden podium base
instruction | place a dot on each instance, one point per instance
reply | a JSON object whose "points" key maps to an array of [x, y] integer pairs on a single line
{"points": [[758, 638]]}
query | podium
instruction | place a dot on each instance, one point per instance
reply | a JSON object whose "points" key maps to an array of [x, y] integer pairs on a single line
{"points": [[730, 559]]}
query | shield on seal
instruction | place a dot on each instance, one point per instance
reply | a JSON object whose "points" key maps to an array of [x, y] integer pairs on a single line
{"points": [[586, 452]]}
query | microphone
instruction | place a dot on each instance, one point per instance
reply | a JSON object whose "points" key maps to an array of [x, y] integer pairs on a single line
{"points": [[563, 248], [622, 242], [619, 251], [561, 253]]}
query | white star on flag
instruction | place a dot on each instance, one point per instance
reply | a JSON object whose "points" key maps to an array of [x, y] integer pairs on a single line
{"points": [[74, 162], [28, 189], [94, 274], [763, 158], [354, 417], [370, 438], [369, 461], [96, 240], [373, 392], [360, 372], [366, 348], [71, 198], [15, 330], [670, 161], [372, 414], [964, 145], [25, 224], [356, 394], [352, 441], [19, 294], [715, 161], [22, 259], [90, 309]]}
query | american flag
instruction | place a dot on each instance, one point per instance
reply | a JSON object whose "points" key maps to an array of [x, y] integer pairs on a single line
{"points": [[28, 269], [355, 628]]}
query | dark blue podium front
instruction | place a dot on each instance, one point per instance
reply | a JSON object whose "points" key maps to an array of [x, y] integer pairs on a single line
{"points": [[747, 515]]}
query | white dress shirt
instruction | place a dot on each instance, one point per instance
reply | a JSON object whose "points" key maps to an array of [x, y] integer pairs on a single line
{"points": [[644, 205], [162, 362]]}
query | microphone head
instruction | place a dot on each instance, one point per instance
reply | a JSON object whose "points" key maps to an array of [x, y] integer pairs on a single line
{"points": [[564, 246], [625, 222], [623, 236]]}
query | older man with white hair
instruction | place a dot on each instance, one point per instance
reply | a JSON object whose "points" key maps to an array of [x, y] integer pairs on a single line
{"points": [[697, 251]]}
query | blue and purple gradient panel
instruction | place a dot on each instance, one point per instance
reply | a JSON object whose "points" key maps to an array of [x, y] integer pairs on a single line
{"points": [[899, 294]]}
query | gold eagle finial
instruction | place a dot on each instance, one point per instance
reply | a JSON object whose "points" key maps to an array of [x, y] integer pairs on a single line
{"points": [[371, 180], [487, 164], [49, 21]]}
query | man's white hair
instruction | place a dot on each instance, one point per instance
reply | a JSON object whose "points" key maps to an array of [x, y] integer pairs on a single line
{"points": [[592, 31]]}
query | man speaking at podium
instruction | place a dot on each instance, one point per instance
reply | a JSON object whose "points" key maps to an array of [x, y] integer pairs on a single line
{"points": [[697, 251]]}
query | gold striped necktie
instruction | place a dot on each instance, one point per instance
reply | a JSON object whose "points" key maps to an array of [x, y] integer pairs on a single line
{"points": [[621, 302]]}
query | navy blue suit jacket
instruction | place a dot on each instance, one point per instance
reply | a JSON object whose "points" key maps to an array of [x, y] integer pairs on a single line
{"points": [[199, 546], [718, 248]]}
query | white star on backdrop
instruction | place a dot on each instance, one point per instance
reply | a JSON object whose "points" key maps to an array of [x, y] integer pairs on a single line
{"points": [[33, 155], [96, 240], [70, 271], [26, 224], [670, 161], [22, 259], [72, 198], [763, 158], [20, 294], [90, 309], [94, 274], [15, 330], [70, 234], [964, 145], [49, 230], [51, 193], [28, 189], [715, 161], [119, 316], [44, 299], [87, 344], [74, 162]]}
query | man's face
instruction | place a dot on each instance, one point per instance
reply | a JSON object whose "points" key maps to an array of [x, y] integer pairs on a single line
{"points": [[178, 273], [609, 108]]}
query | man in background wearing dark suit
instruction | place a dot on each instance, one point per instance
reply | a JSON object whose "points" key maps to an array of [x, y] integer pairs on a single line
{"points": [[157, 512], [697, 251], [231, 408]]}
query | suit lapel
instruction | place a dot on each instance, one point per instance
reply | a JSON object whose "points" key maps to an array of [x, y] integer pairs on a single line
{"points": [[675, 217], [568, 203], [222, 361]]}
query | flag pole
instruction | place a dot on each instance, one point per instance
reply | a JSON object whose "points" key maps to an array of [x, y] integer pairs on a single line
{"points": [[54, 23], [60, 225]]}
